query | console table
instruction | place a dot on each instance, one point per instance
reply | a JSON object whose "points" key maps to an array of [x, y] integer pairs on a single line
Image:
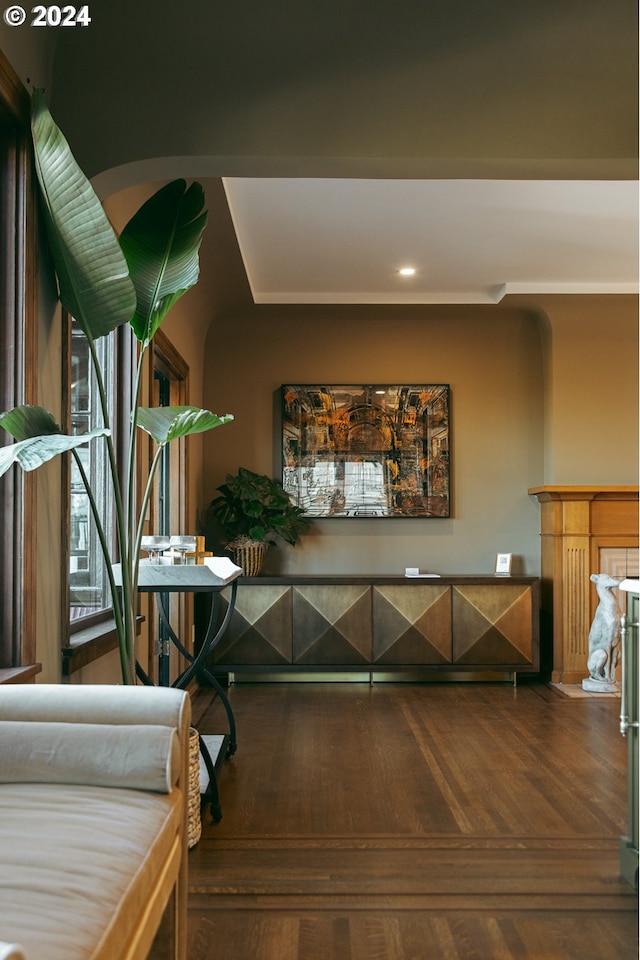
{"points": [[381, 624], [163, 579]]}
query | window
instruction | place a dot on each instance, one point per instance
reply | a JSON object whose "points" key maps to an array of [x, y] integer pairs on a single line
{"points": [[91, 627], [89, 593]]}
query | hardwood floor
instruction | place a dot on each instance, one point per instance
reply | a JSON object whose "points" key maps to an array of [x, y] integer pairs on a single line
{"points": [[414, 822]]}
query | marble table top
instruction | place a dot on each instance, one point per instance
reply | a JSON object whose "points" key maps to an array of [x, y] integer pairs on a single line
{"points": [[176, 578]]}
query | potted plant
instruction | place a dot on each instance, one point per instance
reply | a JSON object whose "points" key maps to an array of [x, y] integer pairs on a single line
{"points": [[253, 511], [105, 282]]}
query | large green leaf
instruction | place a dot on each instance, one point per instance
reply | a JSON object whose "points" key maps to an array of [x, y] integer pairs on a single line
{"points": [[34, 451], [161, 244], [93, 277], [165, 424], [40, 437], [28, 421]]}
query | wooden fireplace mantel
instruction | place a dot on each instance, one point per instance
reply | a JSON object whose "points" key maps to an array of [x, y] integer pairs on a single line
{"points": [[577, 524], [578, 493]]}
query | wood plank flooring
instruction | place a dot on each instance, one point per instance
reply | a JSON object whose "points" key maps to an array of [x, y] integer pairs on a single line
{"points": [[414, 822]]}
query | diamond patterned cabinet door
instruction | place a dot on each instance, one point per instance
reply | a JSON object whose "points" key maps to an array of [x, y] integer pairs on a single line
{"points": [[260, 627], [411, 624], [492, 624], [332, 624]]}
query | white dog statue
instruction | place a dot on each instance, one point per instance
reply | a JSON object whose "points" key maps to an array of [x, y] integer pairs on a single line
{"points": [[604, 638]]}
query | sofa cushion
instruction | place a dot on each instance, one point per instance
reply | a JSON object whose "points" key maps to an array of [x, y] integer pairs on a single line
{"points": [[136, 756], [79, 864]]}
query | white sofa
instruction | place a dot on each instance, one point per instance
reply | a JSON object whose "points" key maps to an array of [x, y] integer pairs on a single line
{"points": [[93, 821]]}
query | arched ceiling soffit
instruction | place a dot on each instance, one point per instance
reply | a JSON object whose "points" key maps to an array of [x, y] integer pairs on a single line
{"points": [[458, 88]]}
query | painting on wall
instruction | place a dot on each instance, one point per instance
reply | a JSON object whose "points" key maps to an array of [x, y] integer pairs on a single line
{"points": [[367, 451]]}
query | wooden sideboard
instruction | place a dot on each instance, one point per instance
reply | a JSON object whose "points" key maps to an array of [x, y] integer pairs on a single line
{"points": [[382, 624]]}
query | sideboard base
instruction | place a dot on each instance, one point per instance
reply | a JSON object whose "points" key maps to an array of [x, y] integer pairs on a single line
{"points": [[401, 675]]}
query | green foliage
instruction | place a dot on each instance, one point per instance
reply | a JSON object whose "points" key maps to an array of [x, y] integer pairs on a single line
{"points": [[105, 283], [161, 244], [255, 506], [39, 437], [165, 424], [93, 279], [25, 422]]}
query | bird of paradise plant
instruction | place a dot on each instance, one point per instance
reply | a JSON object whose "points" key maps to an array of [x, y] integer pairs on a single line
{"points": [[105, 282]]}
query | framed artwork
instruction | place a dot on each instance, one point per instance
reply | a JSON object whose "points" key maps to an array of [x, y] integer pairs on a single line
{"points": [[503, 565], [367, 451]]}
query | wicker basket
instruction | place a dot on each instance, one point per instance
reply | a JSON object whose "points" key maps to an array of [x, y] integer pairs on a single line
{"points": [[248, 554], [194, 820]]}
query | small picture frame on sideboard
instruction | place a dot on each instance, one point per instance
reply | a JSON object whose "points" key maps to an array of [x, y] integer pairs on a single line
{"points": [[503, 565]]}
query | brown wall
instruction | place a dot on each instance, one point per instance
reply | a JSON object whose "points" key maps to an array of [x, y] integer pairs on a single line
{"points": [[546, 394], [492, 360], [591, 384]]}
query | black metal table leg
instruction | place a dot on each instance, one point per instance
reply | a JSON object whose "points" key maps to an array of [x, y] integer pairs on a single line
{"points": [[198, 665], [161, 582], [215, 683]]}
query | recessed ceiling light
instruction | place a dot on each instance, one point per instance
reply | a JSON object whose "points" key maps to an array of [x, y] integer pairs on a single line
{"points": [[407, 271]]}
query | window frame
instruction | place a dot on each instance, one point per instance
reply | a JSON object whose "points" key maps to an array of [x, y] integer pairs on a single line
{"points": [[165, 359], [18, 383]]}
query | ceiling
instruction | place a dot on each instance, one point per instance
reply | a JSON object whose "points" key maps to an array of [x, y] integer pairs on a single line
{"points": [[470, 241], [536, 101]]}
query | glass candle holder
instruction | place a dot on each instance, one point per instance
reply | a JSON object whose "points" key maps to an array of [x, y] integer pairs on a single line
{"points": [[183, 545], [154, 546]]}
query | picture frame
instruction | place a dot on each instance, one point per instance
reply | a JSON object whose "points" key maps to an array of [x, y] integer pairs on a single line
{"points": [[367, 451], [503, 565]]}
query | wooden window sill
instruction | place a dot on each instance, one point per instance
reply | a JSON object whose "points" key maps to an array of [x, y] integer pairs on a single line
{"points": [[20, 674], [90, 644]]}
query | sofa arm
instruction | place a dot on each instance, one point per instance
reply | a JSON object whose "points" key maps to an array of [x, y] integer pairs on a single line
{"points": [[101, 704], [96, 703]]}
